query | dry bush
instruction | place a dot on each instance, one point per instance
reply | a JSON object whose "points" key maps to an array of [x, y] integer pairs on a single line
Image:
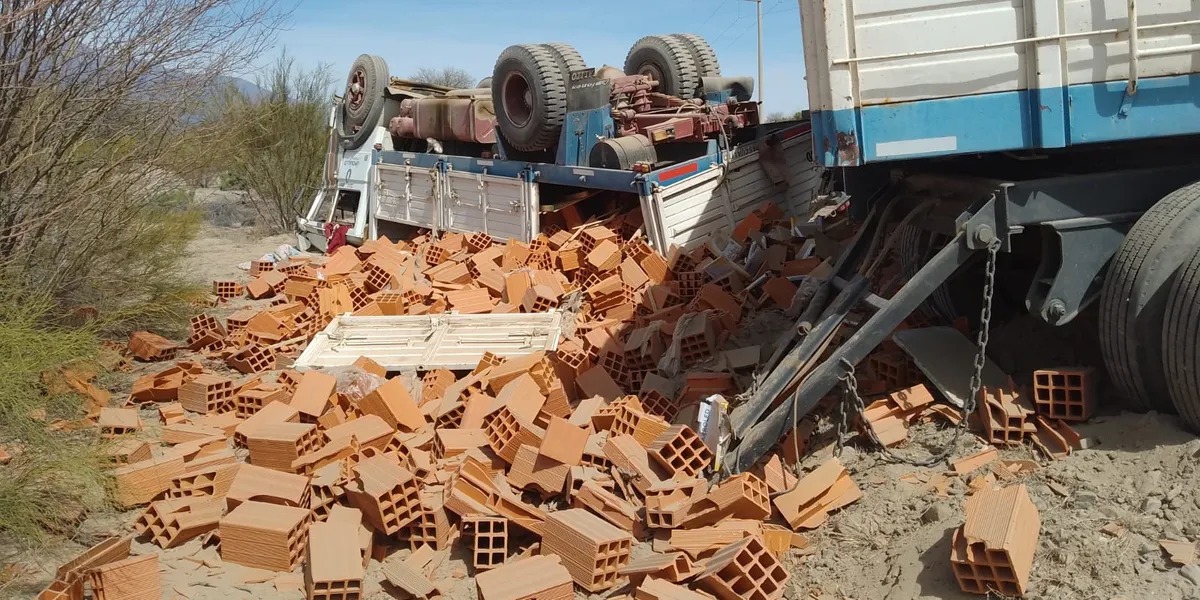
{"points": [[98, 101], [276, 144], [100, 98], [452, 77]]}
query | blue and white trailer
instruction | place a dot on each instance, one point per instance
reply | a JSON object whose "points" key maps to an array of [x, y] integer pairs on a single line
{"points": [[1039, 155]]}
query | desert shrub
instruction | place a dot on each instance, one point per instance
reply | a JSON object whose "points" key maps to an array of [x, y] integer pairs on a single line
{"points": [[277, 142], [99, 137], [53, 474]]}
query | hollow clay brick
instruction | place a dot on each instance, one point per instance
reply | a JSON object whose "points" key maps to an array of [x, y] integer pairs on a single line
{"points": [[264, 536], [1067, 393], [592, 550], [681, 451], [269, 486], [392, 402], [333, 569], [387, 494], [825, 489], [564, 442], [312, 394], [994, 550], [140, 482], [744, 570], [534, 578], [135, 578]]}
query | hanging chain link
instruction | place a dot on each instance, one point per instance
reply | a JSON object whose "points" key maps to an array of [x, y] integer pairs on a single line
{"points": [[853, 399], [985, 327]]}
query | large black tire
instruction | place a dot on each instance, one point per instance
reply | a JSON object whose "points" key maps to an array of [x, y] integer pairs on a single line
{"points": [[1181, 343], [667, 60], [568, 57], [529, 92], [1133, 302], [363, 101], [703, 55]]}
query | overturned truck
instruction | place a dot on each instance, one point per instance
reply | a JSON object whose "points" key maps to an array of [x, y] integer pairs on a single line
{"points": [[548, 142]]}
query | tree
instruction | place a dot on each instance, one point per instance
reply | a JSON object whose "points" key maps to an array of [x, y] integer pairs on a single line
{"points": [[451, 77], [278, 142], [99, 101]]}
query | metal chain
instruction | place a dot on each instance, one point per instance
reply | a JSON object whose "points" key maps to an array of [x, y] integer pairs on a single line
{"points": [[985, 326], [854, 398]]}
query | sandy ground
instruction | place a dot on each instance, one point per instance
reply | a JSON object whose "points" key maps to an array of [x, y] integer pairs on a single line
{"points": [[1138, 477]]}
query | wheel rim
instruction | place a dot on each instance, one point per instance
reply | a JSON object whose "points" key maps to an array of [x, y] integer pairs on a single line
{"points": [[356, 92], [517, 98], [652, 71]]}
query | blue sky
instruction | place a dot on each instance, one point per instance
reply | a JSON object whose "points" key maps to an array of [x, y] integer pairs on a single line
{"points": [[470, 34]]}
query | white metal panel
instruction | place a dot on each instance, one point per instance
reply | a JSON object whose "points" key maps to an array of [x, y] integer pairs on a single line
{"points": [[1106, 58], [888, 27], [749, 187], [431, 341], [503, 207], [697, 207], [406, 194], [690, 210], [859, 52], [896, 26]]}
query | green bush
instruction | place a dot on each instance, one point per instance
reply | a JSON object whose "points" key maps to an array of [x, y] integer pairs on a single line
{"points": [[53, 474], [277, 143]]}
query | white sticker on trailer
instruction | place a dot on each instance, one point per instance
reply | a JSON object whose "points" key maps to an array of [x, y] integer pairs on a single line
{"points": [[917, 146]]}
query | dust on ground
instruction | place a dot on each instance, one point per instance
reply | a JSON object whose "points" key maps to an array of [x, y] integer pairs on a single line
{"points": [[229, 236]]}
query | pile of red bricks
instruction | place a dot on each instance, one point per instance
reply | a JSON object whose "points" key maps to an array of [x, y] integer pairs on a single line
{"points": [[285, 468]]}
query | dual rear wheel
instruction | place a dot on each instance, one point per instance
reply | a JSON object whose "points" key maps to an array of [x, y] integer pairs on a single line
{"points": [[1150, 309], [529, 82]]}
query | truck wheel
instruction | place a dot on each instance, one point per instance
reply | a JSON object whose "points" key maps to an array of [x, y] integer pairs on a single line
{"points": [[568, 57], [706, 61], [1133, 302], [666, 60], [362, 102], [364, 87], [1181, 343], [529, 92]]}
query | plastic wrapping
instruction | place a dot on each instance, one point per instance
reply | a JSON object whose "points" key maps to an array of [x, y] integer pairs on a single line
{"points": [[355, 383]]}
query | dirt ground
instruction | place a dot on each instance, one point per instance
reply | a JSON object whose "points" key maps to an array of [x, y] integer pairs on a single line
{"points": [[1137, 478]]}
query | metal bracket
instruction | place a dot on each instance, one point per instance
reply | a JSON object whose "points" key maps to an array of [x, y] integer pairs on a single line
{"points": [[1074, 254]]}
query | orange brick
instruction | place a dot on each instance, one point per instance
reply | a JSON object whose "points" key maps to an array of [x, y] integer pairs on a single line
{"points": [[386, 493], [1065, 393], [993, 551], [681, 451], [134, 578], [313, 394], [265, 536], [744, 570], [564, 442], [594, 550], [597, 382], [392, 402], [534, 578], [150, 347], [533, 471], [825, 489]]}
